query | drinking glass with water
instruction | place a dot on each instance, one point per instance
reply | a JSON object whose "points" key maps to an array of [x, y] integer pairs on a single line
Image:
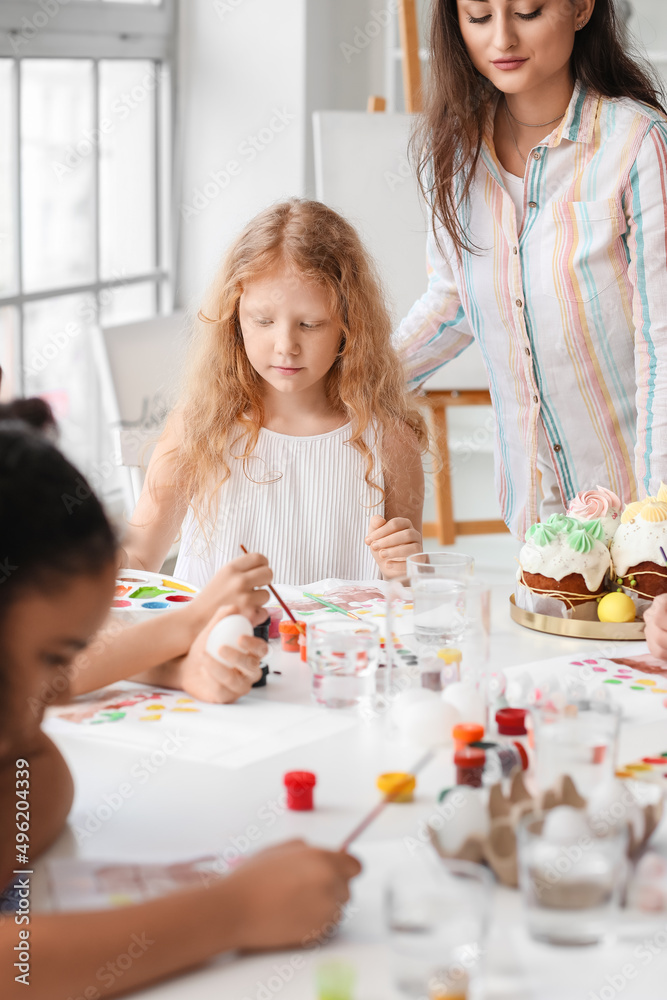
{"points": [[343, 657], [437, 917], [571, 879], [438, 581]]}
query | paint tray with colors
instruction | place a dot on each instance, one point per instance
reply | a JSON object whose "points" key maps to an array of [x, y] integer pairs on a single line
{"points": [[141, 593]]}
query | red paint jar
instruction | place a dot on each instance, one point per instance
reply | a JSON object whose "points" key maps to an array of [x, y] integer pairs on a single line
{"points": [[299, 785], [511, 721], [469, 763]]}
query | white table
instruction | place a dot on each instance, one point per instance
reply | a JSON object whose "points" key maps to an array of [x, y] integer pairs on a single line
{"points": [[188, 809]]}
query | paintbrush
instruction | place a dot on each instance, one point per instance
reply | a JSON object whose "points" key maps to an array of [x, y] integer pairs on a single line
{"points": [[278, 597], [332, 607], [389, 797], [663, 554]]}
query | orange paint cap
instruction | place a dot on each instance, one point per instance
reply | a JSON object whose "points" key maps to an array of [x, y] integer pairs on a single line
{"points": [[288, 627], [467, 732]]}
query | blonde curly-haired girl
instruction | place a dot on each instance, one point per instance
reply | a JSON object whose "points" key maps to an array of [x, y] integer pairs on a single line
{"points": [[294, 435]]}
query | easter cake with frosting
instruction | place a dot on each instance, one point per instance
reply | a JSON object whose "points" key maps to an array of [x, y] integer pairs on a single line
{"points": [[638, 546], [564, 560]]}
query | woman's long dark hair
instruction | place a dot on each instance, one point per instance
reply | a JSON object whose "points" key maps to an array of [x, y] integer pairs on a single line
{"points": [[448, 138]]}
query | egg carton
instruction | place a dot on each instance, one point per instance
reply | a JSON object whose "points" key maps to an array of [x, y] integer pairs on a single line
{"points": [[498, 847]]}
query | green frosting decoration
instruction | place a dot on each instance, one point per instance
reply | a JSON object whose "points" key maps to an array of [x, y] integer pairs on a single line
{"points": [[561, 522], [595, 529], [541, 534], [580, 541]]}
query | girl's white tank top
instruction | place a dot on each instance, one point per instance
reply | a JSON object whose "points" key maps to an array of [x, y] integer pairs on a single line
{"points": [[303, 502]]}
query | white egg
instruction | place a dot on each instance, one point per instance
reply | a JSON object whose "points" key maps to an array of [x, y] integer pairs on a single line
{"points": [[611, 806], [564, 823], [467, 701], [463, 813], [426, 720], [227, 632]]}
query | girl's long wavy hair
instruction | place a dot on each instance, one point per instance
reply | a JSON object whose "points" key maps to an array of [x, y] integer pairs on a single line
{"points": [[222, 402], [447, 141]]}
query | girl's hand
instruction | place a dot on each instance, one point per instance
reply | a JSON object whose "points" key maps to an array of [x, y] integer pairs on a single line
{"points": [[236, 583], [204, 678], [656, 627], [290, 895], [391, 543]]}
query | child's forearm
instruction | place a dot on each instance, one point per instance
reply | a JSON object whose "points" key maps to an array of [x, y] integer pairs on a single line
{"points": [[121, 652], [109, 953], [166, 674], [47, 788]]}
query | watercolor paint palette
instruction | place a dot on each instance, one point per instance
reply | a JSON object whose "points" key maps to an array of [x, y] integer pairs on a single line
{"points": [[139, 592]]}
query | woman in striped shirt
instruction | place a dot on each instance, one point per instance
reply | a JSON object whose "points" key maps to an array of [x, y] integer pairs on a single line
{"points": [[543, 152]]}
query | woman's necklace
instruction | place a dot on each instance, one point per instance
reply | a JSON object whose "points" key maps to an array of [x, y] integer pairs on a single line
{"points": [[528, 124], [510, 116]]}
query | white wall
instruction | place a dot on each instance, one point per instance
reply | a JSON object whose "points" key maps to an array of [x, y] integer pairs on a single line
{"points": [[345, 60], [240, 60], [649, 23]]}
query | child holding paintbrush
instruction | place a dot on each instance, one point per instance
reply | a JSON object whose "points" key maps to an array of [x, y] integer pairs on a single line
{"points": [[170, 650], [294, 434], [55, 597]]}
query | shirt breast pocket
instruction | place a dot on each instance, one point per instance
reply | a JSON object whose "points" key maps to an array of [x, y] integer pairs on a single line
{"points": [[582, 251]]}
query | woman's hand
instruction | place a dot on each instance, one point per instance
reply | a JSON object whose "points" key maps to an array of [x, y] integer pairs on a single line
{"points": [[239, 582], [204, 678], [290, 895], [391, 542], [656, 627]]}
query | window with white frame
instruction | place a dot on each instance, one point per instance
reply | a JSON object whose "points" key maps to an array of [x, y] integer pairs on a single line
{"points": [[85, 180]]}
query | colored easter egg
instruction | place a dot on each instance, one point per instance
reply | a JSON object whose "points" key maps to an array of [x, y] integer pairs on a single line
{"points": [[616, 607]]}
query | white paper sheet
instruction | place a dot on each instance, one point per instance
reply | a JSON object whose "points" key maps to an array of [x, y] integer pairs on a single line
{"points": [[233, 736]]}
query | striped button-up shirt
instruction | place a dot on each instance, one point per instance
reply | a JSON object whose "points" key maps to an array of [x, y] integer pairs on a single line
{"points": [[568, 305]]}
